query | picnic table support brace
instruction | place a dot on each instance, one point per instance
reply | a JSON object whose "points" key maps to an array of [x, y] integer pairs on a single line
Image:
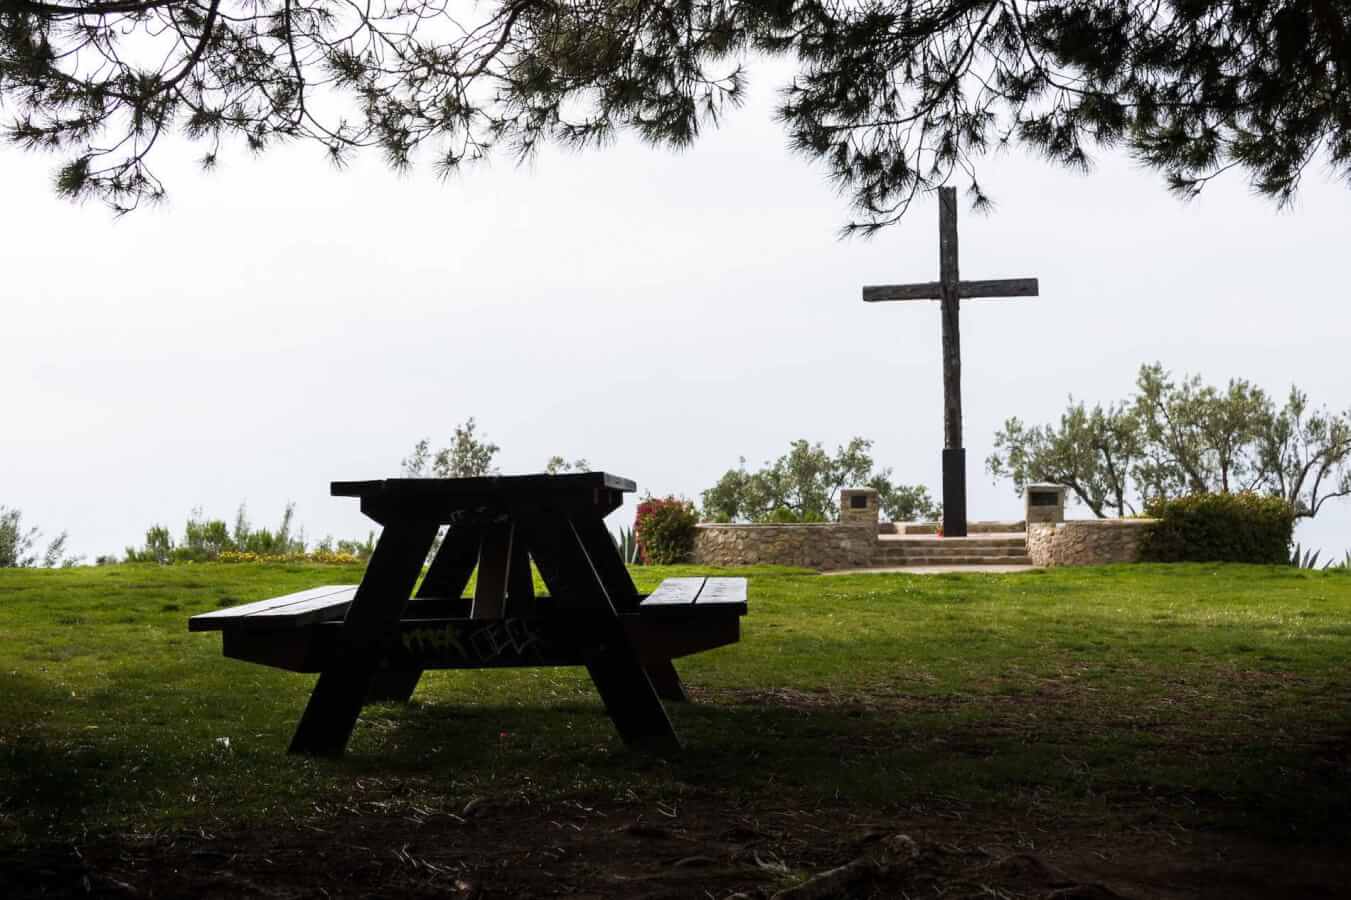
{"points": [[446, 577], [631, 701], [372, 619], [558, 542]]}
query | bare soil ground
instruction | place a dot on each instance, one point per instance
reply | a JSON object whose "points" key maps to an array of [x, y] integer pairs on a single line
{"points": [[710, 847]]}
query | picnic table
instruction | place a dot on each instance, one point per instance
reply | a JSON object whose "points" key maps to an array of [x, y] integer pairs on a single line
{"points": [[374, 640]]}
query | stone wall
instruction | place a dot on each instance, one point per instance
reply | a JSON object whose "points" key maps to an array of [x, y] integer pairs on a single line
{"points": [[1090, 542], [830, 546]]}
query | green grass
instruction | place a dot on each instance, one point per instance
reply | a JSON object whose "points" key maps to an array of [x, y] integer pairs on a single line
{"points": [[1221, 694]]}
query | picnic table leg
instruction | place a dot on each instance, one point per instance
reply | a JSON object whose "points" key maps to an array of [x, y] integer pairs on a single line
{"points": [[666, 681], [630, 699], [446, 578], [573, 576], [393, 686], [371, 621]]}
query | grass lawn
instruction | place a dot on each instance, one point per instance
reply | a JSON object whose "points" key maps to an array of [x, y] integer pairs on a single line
{"points": [[1149, 730]]}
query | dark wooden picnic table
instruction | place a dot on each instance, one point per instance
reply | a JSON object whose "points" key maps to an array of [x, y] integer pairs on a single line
{"points": [[373, 641]]}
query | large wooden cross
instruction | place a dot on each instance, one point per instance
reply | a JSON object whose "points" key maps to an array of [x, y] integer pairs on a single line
{"points": [[950, 290]]}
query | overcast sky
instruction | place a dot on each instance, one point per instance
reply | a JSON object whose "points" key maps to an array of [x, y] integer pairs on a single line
{"points": [[278, 325]]}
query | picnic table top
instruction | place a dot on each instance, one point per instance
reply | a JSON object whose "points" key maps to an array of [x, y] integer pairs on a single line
{"points": [[497, 485]]}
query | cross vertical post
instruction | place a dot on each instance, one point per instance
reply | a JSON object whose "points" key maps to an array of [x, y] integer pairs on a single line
{"points": [[954, 454], [950, 290]]}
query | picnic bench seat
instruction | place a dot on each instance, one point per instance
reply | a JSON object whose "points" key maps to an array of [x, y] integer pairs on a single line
{"points": [[288, 611], [297, 632]]}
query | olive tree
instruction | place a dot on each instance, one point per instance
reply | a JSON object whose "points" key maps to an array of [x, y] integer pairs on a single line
{"points": [[1179, 436], [802, 486]]}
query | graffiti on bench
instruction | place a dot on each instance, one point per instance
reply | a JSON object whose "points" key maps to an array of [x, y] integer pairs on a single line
{"points": [[510, 641]]}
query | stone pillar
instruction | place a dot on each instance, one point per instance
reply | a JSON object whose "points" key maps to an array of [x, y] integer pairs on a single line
{"points": [[1043, 503], [859, 506]]}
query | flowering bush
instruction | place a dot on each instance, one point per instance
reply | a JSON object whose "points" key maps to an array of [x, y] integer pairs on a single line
{"points": [[665, 530]]}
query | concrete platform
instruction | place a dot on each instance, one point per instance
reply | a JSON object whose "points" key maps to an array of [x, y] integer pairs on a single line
{"points": [[969, 569]]}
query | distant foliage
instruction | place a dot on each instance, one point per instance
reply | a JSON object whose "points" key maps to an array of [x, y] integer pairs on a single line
{"points": [[204, 540], [358, 549], [311, 556], [211, 540], [1243, 527], [664, 529], [19, 545], [557, 465], [802, 486], [1179, 436], [466, 456]]}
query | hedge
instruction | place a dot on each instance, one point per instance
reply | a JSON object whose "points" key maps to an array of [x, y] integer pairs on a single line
{"points": [[1247, 528]]}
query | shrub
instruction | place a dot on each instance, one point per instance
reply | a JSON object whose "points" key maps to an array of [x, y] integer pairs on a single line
{"points": [[665, 530], [159, 547], [1220, 528], [210, 540]]}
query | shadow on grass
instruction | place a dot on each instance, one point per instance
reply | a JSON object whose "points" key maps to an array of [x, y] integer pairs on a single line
{"points": [[1014, 753], [47, 781], [805, 749], [885, 760]]}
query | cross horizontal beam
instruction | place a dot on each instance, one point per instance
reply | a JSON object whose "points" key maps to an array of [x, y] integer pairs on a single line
{"points": [[967, 290]]}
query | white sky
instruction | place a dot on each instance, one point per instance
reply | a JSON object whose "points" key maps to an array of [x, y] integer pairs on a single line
{"points": [[278, 325]]}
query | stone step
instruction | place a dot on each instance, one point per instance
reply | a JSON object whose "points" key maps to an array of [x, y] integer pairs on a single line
{"points": [[980, 539], [974, 550], [958, 561], [908, 552]]}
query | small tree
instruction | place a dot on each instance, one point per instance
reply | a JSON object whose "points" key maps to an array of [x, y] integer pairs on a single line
{"points": [[159, 547], [1183, 437], [1091, 453], [1202, 440], [18, 545], [557, 465], [465, 457], [904, 502], [1307, 454], [802, 486]]}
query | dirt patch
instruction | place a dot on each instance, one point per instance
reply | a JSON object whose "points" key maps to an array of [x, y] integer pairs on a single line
{"points": [[709, 846]]}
